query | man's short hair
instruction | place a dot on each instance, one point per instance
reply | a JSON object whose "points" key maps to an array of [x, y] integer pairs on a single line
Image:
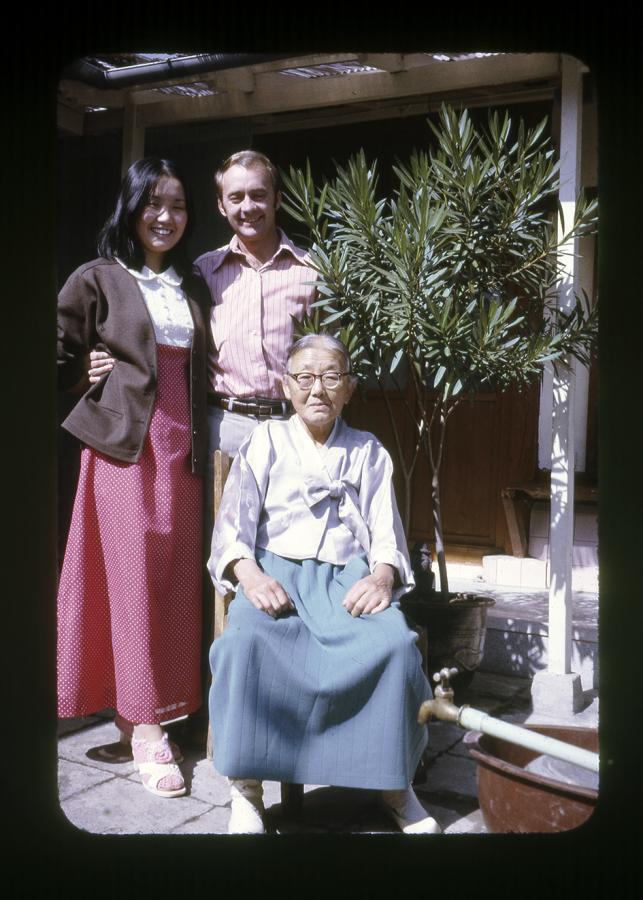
{"points": [[249, 159]]}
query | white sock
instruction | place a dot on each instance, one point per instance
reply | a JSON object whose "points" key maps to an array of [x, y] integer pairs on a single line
{"points": [[408, 812], [246, 807]]}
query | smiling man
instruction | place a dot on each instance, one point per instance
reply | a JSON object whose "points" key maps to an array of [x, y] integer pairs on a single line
{"points": [[259, 283]]}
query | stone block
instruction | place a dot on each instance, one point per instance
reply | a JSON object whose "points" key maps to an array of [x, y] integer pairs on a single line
{"points": [[556, 694], [508, 570], [490, 569]]}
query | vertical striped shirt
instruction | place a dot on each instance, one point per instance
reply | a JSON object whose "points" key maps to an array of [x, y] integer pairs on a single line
{"points": [[251, 316]]}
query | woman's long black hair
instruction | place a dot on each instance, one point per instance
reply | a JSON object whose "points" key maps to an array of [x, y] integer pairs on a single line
{"points": [[118, 235]]}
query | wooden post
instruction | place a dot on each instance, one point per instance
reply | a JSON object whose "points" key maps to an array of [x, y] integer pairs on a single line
{"points": [[133, 146], [549, 690]]}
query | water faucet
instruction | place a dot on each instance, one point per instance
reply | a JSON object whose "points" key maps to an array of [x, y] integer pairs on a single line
{"points": [[442, 706]]}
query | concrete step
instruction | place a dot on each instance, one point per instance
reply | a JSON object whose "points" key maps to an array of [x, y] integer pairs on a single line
{"points": [[517, 638], [534, 574]]}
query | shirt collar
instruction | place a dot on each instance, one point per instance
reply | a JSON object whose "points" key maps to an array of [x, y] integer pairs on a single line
{"points": [[169, 276], [285, 246]]}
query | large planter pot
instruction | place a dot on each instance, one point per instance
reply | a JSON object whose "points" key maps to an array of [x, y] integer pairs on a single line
{"points": [[455, 630], [514, 799]]}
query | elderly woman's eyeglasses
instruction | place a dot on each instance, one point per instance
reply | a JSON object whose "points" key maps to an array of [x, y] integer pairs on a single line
{"points": [[305, 380]]}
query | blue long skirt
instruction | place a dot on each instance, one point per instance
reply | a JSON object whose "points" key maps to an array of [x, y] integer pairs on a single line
{"points": [[317, 696]]}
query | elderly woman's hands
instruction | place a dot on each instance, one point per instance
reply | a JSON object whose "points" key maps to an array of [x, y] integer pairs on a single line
{"points": [[261, 590], [100, 363], [371, 594]]}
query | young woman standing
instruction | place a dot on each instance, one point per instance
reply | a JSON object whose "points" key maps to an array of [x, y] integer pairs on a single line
{"points": [[129, 599]]}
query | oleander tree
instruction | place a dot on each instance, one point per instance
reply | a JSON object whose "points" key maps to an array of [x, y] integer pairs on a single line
{"points": [[450, 284]]}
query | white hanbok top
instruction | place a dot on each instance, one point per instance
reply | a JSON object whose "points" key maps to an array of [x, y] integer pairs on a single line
{"points": [[300, 501]]}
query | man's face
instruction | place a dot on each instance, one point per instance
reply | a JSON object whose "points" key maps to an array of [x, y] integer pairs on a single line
{"points": [[249, 203]]}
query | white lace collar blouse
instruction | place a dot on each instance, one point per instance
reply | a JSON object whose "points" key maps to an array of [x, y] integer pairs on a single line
{"points": [[166, 304]]}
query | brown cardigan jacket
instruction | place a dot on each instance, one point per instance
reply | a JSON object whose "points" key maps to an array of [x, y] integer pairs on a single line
{"points": [[101, 306]]}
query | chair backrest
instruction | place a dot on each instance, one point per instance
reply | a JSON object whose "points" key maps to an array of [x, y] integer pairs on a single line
{"points": [[222, 464]]}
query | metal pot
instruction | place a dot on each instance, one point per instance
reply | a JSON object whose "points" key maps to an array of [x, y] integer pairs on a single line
{"points": [[455, 630], [514, 799]]}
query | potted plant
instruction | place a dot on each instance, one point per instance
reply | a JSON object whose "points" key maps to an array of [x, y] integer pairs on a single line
{"points": [[446, 287]]}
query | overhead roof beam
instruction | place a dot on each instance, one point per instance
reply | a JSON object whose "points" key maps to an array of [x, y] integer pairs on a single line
{"points": [[281, 93], [85, 71], [78, 93]]}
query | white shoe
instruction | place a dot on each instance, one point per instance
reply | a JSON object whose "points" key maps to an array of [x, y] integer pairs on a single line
{"points": [[408, 813], [247, 809]]}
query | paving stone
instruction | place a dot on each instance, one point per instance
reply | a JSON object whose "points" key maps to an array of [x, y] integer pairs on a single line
{"points": [[103, 797], [74, 778], [205, 783], [67, 726], [498, 687], [451, 774], [330, 809], [462, 749], [75, 745], [214, 821], [471, 824], [123, 806], [443, 736], [271, 793]]}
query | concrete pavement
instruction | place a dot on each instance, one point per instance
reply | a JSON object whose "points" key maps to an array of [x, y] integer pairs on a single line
{"points": [[105, 797]]}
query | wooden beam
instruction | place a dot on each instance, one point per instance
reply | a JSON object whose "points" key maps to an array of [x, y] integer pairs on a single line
{"points": [[372, 110], [387, 62], [133, 137], [561, 529], [76, 93], [275, 92], [239, 80]]}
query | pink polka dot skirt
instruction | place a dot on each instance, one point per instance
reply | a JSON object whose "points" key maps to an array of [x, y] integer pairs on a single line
{"points": [[129, 599]]}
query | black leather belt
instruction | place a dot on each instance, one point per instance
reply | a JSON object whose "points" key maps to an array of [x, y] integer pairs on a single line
{"points": [[262, 407]]}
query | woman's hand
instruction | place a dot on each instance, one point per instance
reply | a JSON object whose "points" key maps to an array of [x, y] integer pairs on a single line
{"points": [[100, 363], [264, 592], [371, 594]]}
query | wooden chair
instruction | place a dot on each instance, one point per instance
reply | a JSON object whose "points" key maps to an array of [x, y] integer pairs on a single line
{"points": [[291, 794]]}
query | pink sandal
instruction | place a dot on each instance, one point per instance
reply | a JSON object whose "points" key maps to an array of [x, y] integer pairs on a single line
{"points": [[126, 731], [159, 772]]}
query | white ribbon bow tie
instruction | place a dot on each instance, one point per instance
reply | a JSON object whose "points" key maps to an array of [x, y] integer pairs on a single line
{"points": [[318, 487]]}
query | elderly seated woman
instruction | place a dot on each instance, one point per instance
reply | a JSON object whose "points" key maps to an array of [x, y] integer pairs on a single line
{"points": [[317, 678]]}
